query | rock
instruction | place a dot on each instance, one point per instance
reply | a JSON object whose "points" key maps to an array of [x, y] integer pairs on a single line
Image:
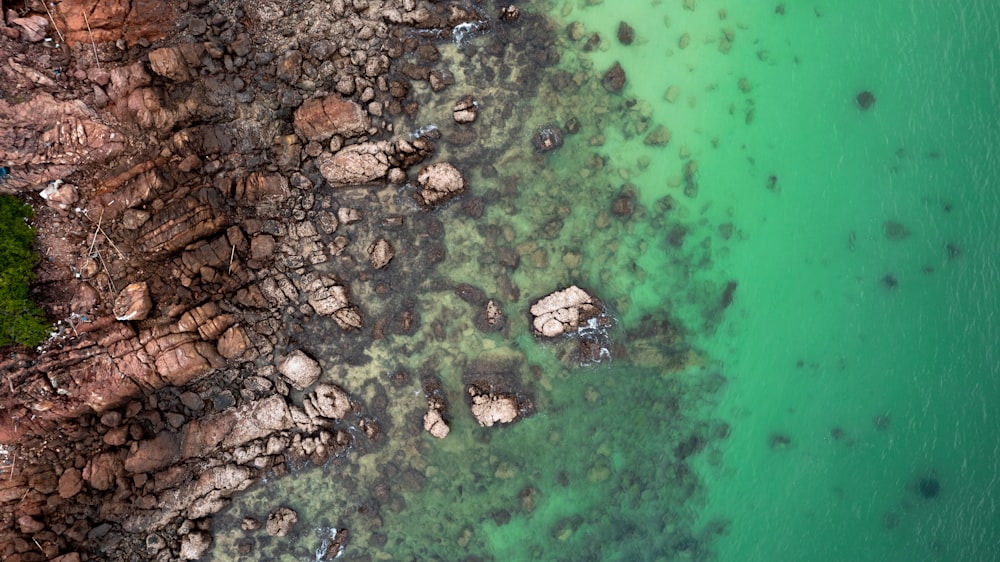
{"points": [[547, 138], [70, 483], [176, 63], [102, 471], [865, 100], [356, 164], [133, 302], [330, 401], [435, 424], [659, 136], [233, 342], [491, 409], [465, 110], [195, 544], [60, 195], [29, 525], [510, 13], [493, 315], [33, 28], [625, 33], [563, 311], [439, 183], [280, 522], [153, 454], [320, 118], [614, 79], [186, 362], [300, 369], [381, 253]]}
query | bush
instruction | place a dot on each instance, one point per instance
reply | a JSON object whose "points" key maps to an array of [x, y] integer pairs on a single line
{"points": [[21, 321]]}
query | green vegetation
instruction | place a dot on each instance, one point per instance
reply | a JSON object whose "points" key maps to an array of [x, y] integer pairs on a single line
{"points": [[21, 321]]}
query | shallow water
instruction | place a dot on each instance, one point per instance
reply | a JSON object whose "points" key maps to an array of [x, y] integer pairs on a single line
{"points": [[852, 375]]}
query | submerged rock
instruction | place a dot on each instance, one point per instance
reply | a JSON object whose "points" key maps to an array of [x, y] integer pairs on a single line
{"points": [[625, 33], [865, 99], [614, 79], [547, 139]]}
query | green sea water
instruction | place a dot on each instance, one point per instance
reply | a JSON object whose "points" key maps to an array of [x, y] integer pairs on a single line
{"points": [[839, 404]]}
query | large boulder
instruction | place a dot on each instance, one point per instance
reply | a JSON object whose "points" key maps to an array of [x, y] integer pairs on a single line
{"points": [[439, 183], [321, 118], [563, 311], [356, 164]]}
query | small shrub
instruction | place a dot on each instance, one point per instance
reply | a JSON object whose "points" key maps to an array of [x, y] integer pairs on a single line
{"points": [[21, 321]]}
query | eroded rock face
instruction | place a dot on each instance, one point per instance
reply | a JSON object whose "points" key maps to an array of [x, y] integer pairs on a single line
{"points": [[439, 183], [328, 401], [563, 311]]}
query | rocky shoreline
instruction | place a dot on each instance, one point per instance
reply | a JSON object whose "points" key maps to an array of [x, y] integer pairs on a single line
{"points": [[214, 173]]}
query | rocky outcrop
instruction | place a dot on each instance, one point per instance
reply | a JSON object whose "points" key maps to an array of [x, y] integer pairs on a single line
{"points": [[439, 183], [43, 139], [177, 64], [563, 311]]}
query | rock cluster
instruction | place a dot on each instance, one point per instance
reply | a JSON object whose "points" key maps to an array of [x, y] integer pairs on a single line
{"points": [[563, 311]]}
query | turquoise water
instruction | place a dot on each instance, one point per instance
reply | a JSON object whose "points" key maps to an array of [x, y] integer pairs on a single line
{"points": [[842, 407]]}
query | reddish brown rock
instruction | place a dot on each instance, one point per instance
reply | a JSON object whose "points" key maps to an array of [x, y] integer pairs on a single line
{"points": [[133, 302], [233, 343], [321, 118], [47, 140], [70, 483], [102, 471], [176, 63], [153, 454]]}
